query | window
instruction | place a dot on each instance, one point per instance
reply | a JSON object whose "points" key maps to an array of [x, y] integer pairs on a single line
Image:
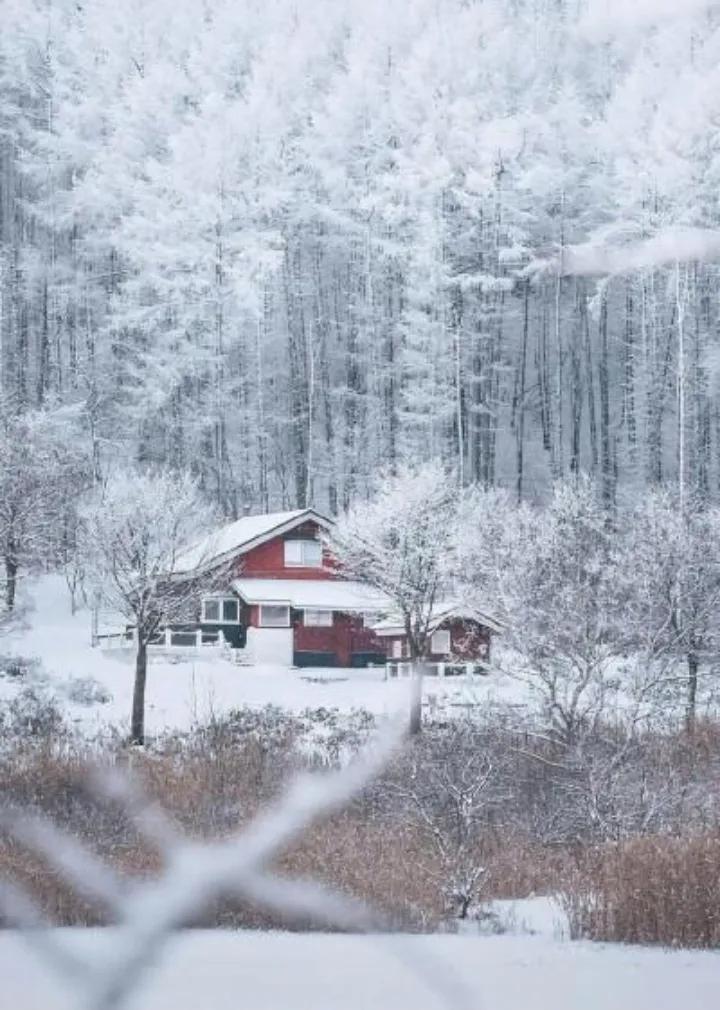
{"points": [[303, 554], [230, 611], [220, 610], [318, 618], [440, 643], [397, 649], [272, 616]]}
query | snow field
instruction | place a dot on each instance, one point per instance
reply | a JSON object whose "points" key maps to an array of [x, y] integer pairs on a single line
{"points": [[181, 693], [217, 970]]}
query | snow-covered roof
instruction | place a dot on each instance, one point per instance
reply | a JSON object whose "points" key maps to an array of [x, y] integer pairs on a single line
{"points": [[240, 536], [392, 625], [313, 594]]}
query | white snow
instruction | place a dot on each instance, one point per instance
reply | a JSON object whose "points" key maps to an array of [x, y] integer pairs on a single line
{"points": [[319, 594], [269, 646], [539, 916], [180, 693], [217, 970]]}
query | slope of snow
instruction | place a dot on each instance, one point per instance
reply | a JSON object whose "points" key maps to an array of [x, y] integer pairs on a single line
{"points": [[180, 693], [216, 970]]}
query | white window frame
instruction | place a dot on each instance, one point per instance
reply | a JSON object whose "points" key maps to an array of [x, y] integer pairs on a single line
{"points": [[275, 606], [447, 641], [326, 620], [220, 600], [303, 562], [398, 648]]}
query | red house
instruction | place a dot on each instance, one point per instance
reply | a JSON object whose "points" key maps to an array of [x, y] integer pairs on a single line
{"points": [[283, 600], [268, 585]]}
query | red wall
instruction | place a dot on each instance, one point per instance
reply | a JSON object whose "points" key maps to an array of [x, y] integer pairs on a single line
{"points": [[268, 560], [346, 636], [468, 640], [337, 639]]}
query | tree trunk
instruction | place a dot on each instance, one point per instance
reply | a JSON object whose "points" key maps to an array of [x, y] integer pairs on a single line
{"points": [[11, 570], [692, 687], [607, 468], [137, 730], [520, 453], [416, 692]]}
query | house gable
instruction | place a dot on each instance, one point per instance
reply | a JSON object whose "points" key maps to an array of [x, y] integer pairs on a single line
{"points": [[239, 539], [268, 559]]}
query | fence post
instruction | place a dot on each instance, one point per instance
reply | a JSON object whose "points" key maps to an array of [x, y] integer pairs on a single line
{"points": [[168, 638], [198, 638], [95, 623]]}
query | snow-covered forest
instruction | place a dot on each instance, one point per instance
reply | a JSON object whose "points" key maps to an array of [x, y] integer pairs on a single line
{"points": [[399, 318], [283, 244]]}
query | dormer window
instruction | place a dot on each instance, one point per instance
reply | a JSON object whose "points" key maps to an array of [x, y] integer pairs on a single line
{"points": [[303, 554]]}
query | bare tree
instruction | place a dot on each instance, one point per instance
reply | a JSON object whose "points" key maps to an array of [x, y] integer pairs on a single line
{"points": [[675, 585], [133, 532], [553, 573], [401, 542], [447, 785], [41, 474]]}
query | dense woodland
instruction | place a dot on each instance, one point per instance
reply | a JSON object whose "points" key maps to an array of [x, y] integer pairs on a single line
{"points": [[446, 268], [284, 244]]}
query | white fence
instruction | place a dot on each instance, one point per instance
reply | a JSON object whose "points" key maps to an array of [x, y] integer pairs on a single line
{"points": [[403, 668], [173, 641]]}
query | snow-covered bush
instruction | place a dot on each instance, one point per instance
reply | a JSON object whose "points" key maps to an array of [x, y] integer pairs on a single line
{"points": [[332, 737], [86, 691], [556, 574], [19, 667], [32, 716], [674, 593]]}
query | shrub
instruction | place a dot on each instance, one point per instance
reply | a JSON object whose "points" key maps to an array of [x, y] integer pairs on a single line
{"points": [[31, 715], [86, 691], [649, 890], [19, 667]]}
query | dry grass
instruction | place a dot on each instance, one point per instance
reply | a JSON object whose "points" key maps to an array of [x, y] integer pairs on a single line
{"points": [[400, 847], [649, 890]]}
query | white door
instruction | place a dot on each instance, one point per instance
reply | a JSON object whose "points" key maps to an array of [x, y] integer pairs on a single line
{"points": [[270, 646]]}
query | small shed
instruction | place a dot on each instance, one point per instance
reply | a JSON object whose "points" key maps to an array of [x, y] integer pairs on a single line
{"points": [[460, 637]]}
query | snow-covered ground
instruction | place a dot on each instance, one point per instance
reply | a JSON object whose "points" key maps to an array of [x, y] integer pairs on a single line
{"points": [[217, 970], [180, 693]]}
